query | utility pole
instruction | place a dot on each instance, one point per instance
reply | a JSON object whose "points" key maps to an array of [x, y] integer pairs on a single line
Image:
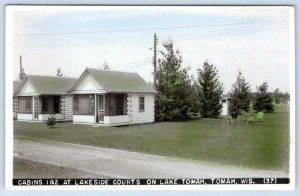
{"points": [[21, 74], [21, 64], [154, 59], [21, 69]]}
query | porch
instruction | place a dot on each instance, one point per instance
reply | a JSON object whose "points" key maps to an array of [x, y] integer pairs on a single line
{"points": [[39, 108], [100, 109]]}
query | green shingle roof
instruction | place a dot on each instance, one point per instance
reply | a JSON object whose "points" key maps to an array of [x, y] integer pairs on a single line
{"points": [[51, 84], [116, 81], [16, 85]]}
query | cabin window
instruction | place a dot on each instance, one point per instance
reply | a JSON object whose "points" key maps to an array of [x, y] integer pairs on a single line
{"points": [[50, 104], [56, 104], [119, 105], [25, 105], [141, 103], [115, 104], [44, 104], [84, 104], [223, 101]]}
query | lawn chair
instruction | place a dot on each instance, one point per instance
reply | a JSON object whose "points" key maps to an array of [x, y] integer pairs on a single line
{"points": [[260, 117]]}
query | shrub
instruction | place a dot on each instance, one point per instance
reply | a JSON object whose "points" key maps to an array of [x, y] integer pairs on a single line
{"points": [[51, 121]]}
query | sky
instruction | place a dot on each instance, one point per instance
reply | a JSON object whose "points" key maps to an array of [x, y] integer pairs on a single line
{"points": [[253, 40]]}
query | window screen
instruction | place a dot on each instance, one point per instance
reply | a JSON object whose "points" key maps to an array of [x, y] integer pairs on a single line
{"points": [[25, 104], [44, 104], [141, 104], [84, 104], [56, 104]]}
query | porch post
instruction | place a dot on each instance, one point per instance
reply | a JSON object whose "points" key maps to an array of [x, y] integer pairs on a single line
{"points": [[32, 107], [104, 111], [95, 108]]}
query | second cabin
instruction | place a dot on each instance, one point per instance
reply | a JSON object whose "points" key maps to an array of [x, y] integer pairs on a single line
{"points": [[112, 98]]}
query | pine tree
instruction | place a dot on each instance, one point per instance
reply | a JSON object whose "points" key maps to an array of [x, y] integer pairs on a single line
{"points": [[263, 101], [173, 86], [277, 96], [22, 74], [105, 65], [59, 73], [240, 96], [210, 91]]}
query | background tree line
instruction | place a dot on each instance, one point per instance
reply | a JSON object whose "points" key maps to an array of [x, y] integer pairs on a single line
{"points": [[181, 96]]}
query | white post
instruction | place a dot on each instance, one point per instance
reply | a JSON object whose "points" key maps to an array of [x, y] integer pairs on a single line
{"points": [[95, 108]]}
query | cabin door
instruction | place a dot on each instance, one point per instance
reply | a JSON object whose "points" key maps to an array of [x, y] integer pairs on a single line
{"points": [[35, 108], [100, 108]]}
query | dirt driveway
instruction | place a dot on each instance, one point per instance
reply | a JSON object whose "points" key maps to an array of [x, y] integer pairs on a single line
{"points": [[124, 164]]}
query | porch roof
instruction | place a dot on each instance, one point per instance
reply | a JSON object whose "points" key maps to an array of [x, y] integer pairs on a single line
{"points": [[118, 82], [49, 85]]}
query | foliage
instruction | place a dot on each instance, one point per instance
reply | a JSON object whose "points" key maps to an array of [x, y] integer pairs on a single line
{"points": [[209, 90], [51, 121], [240, 96], [22, 74], [59, 73], [263, 101], [173, 85], [105, 65], [280, 97]]}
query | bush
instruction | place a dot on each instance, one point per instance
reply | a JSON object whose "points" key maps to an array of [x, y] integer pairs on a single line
{"points": [[51, 121]]}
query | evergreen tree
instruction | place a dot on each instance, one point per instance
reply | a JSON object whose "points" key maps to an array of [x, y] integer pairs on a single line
{"points": [[105, 65], [59, 73], [263, 101], [22, 74], [173, 86], [240, 96], [210, 91], [194, 97], [277, 96]]}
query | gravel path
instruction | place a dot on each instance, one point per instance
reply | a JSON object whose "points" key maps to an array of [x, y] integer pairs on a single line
{"points": [[124, 164]]}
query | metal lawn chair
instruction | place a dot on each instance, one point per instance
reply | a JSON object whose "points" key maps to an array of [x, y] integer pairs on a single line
{"points": [[260, 117]]}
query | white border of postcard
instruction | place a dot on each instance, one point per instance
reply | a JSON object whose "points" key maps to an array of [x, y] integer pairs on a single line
{"points": [[9, 113]]}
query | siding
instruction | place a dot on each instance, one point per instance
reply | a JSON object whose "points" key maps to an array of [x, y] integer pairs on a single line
{"points": [[135, 115], [67, 107], [15, 106]]}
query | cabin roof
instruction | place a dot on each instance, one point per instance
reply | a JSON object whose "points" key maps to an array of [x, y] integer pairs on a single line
{"points": [[49, 84], [120, 82]]}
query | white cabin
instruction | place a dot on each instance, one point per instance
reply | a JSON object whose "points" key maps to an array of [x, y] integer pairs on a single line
{"points": [[40, 96], [225, 100], [112, 98]]}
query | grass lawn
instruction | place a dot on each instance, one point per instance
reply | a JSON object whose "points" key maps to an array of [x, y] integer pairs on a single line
{"points": [[259, 145], [24, 169]]}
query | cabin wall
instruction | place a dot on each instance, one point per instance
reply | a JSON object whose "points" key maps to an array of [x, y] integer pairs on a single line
{"points": [[84, 119], [15, 107], [136, 116], [24, 116], [225, 108], [67, 107]]}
